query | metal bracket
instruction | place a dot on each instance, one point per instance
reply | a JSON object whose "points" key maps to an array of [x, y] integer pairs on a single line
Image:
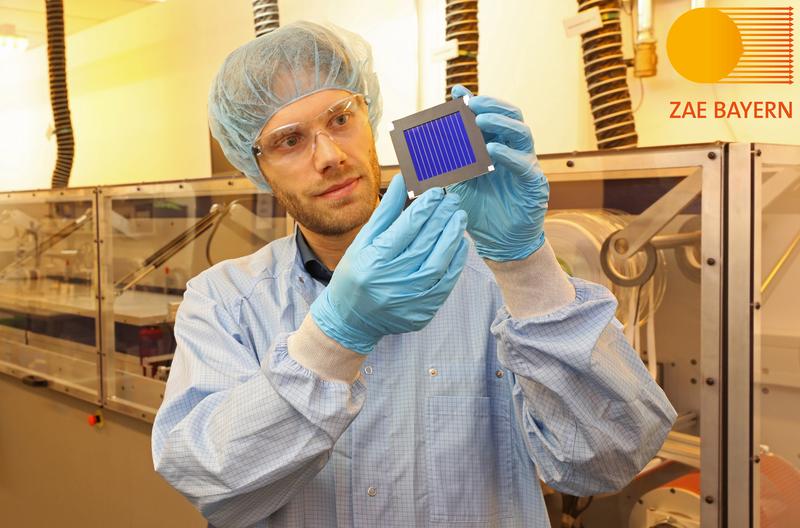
{"points": [[628, 241]]}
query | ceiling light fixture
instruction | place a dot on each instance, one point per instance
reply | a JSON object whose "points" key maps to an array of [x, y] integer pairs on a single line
{"points": [[10, 42]]}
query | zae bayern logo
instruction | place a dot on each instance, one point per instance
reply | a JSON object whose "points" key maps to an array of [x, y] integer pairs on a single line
{"points": [[733, 45]]}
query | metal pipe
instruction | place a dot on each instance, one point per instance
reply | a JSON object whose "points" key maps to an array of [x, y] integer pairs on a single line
{"points": [[645, 58], [778, 265], [40, 247], [165, 252], [674, 240]]}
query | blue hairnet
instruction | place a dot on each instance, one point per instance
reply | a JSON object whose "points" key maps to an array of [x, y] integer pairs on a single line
{"points": [[266, 74]]}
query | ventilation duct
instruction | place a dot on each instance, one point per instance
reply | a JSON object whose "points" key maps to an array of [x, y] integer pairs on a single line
{"points": [[265, 16], [57, 63], [461, 17], [605, 71]]}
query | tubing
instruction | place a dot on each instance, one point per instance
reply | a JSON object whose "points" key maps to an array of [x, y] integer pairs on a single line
{"points": [[461, 17], [606, 71], [265, 16], [59, 100]]}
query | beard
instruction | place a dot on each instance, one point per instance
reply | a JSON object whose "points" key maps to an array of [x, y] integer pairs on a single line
{"points": [[338, 216]]}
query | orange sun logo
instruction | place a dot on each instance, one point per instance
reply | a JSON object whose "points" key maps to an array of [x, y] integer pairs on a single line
{"points": [[733, 45]]}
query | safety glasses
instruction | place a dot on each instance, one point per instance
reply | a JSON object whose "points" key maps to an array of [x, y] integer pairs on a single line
{"points": [[343, 121]]}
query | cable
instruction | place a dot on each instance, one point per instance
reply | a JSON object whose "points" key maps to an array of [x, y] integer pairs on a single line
{"points": [[571, 509], [213, 232], [641, 95], [635, 321], [629, 12]]}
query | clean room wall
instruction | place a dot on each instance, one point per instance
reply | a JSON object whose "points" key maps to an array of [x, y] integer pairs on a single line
{"points": [[526, 58], [138, 84], [391, 29], [652, 119]]}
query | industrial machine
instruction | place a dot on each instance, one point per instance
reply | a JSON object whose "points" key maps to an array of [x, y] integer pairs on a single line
{"points": [[48, 290], [91, 279], [699, 243]]}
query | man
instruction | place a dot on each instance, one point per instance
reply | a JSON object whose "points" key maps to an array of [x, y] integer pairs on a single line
{"points": [[432, 379]]}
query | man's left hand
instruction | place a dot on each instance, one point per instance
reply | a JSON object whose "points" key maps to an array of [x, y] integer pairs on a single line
{"points": [[505, 208]]}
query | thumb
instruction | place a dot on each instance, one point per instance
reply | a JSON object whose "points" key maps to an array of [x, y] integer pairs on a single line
{"points": [[459, 91]]}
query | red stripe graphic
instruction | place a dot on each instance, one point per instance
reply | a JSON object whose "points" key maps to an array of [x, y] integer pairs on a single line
{"points": [[764, 60]]}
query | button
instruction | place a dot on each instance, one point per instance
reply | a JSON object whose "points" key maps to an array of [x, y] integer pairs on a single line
{"points": [[372, 492], [499, 373], [368, 370], [433, 372], [301, 280]]}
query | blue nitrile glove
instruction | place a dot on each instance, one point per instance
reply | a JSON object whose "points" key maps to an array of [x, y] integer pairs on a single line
{"points": [[505, 208], [398, 271]]}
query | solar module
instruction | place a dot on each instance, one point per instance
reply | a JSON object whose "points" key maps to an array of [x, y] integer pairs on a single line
{"points": [[439, 146]]}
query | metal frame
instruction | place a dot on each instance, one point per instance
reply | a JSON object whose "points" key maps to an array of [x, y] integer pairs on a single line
{"points": [[739, 333], [677, 161], [743, 286], [761, 154], [755, 396]]}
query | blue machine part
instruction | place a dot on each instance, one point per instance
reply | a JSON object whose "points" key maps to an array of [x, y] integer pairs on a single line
{"points": [[439, 146]]}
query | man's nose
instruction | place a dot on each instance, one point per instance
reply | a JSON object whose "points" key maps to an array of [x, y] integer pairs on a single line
{"points": [[326, 152]]}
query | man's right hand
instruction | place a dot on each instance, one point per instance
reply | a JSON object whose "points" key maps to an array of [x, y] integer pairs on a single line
{"points": [[398, 271]]}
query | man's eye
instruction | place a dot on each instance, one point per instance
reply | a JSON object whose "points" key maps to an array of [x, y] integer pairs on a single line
{"points": [[341, 119], [288, 142]]}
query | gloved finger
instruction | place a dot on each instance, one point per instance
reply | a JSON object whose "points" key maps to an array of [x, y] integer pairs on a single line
{"points": [[483, 104], [398, 236], [386, 213], [448, 280], [509, 131], [421, 247], [444, 249], [458, 91], [521, 164]]}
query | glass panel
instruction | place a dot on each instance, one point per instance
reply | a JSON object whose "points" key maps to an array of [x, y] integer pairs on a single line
{"points": [[160, 238], [661, 315], [48, 305], [776, 378]]}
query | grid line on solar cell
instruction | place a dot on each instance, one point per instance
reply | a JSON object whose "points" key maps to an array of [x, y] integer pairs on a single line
{"points": [[439, 146]]}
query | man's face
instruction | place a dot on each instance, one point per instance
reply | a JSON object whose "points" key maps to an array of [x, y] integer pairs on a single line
{"points": [[310, 187]]}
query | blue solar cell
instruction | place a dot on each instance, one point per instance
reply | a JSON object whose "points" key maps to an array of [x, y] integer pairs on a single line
{"points": [[439, 146]]}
